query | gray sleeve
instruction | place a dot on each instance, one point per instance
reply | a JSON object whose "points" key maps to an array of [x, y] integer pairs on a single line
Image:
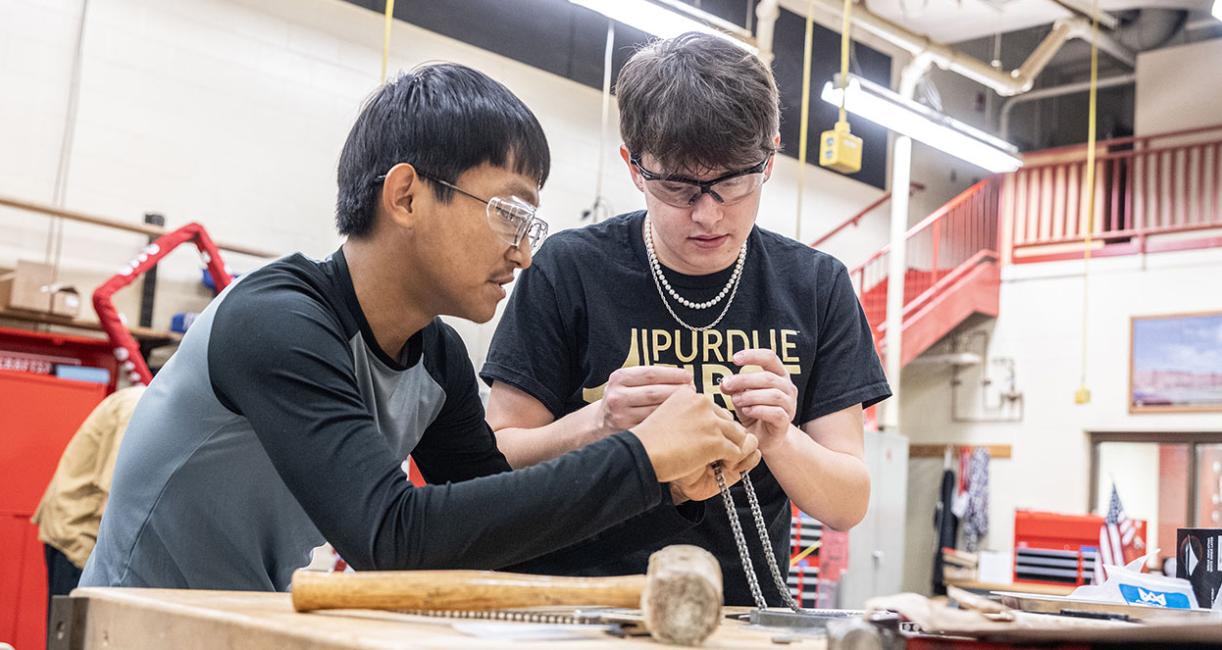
{"points": [[279, 358], [458, 445]]}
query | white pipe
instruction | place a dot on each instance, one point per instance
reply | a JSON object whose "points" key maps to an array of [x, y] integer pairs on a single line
{"points": [[1056, 91], [1043, 53], [1004, 83], [1084, 9], [897, 256], [766, 15], [1081, 31]]}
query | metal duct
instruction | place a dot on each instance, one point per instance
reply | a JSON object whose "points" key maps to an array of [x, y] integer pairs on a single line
{"points": [[1148, 28]]}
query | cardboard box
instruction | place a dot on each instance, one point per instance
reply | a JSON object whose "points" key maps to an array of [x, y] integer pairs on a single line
{"points": [[1198, 559], [30, 287], [66, 302], [22, 288]]}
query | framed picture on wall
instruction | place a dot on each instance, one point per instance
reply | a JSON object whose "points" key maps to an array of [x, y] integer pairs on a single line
{"points": [[1175, 363]]}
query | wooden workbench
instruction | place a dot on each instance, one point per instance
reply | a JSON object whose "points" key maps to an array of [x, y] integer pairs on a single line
{"points": [[139, 619]]}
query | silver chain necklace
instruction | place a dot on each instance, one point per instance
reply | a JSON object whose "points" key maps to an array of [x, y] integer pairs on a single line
{"points": [[659, 280], [661, 277]]}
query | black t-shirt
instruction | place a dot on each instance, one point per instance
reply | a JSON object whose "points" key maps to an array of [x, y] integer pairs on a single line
{"points": [[588, 306]]}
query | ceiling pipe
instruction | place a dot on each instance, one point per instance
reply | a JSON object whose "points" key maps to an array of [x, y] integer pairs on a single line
{"points": [[766, 14], [1056, 91], [1084, 9], [1107, 42], [947, 58]]}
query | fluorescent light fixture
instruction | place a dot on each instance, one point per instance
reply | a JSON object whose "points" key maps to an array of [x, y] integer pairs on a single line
{"points": [[889, 110], [665, 18]]}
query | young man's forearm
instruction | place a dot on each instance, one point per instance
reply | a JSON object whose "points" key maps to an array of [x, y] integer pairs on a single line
{"points": [[525, 446], [831, 486]]}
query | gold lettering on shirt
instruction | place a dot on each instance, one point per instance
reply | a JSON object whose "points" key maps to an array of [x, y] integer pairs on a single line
{"points": [[744, 342], [789, 347], [661, 342], [693, 349], [707, 354], [591, 395], [712, 344], [710, 381]]}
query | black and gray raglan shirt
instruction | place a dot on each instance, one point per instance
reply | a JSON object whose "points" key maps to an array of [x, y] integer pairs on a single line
{"points": [[280, 424]]}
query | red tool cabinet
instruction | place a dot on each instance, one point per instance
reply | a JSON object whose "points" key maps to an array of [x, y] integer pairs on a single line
{"points": [[1058, 549], [38, 415]]}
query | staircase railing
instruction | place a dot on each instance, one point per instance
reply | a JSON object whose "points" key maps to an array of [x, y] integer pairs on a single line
{"points": [[1145, 187], [856, 219], [940, 248]]}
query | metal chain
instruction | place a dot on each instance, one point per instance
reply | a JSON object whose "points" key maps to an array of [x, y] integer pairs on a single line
{"points": [[744, 554], [516, 616], [760, 526]]}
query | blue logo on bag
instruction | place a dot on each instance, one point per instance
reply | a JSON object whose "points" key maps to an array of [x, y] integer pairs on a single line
{"points": [[1169, 599]]}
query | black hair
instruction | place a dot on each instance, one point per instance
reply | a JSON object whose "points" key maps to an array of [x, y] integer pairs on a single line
{"points": [[442, 119]]}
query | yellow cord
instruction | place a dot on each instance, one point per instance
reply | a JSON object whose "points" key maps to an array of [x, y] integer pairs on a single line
{"points": [[844, 56], [1083, 395], [390, 20], [804, 120], [802, 556]]}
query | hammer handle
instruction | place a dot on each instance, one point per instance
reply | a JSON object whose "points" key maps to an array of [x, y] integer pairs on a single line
{"points": [[458, 590]]}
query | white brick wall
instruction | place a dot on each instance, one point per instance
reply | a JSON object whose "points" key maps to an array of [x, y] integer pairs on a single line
{"points": [[233, 112]]}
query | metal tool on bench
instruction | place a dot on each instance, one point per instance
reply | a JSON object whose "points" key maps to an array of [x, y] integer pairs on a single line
{"points": [[617, 621], [680, 596], [1069, 606]]}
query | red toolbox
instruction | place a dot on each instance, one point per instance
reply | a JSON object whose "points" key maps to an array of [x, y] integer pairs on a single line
{"points": [[39, 413]]}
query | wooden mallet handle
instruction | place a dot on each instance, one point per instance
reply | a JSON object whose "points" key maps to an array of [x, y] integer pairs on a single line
{"points": [[458, 590], [680, 597]]}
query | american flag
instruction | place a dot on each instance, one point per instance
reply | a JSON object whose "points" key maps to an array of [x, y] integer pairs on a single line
{"points": [[1118, 540]]}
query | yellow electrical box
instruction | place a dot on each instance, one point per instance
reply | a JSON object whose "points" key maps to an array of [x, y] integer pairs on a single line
{"points": [[840, 150]]}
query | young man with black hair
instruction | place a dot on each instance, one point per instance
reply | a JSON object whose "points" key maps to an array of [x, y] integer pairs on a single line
{"points": [[614, 318], [284, 417]]}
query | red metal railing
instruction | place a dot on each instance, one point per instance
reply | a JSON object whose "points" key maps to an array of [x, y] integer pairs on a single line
{"points": [[1145, 188], [940, 249], [856, 219], [1153, 193]]}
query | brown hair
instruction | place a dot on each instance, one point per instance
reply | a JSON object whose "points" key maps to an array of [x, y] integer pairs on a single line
{"points": [[697, 102]]}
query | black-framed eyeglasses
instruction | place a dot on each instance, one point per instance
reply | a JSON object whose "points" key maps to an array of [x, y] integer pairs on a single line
{"points": [[683, 192], [510, 217]]}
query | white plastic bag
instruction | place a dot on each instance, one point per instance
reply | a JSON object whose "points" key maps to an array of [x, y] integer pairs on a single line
{"points": [[1127, 584]]}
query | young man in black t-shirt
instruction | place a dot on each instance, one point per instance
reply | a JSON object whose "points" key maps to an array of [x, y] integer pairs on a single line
{"points": [[614, 318], [284, 417]]}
